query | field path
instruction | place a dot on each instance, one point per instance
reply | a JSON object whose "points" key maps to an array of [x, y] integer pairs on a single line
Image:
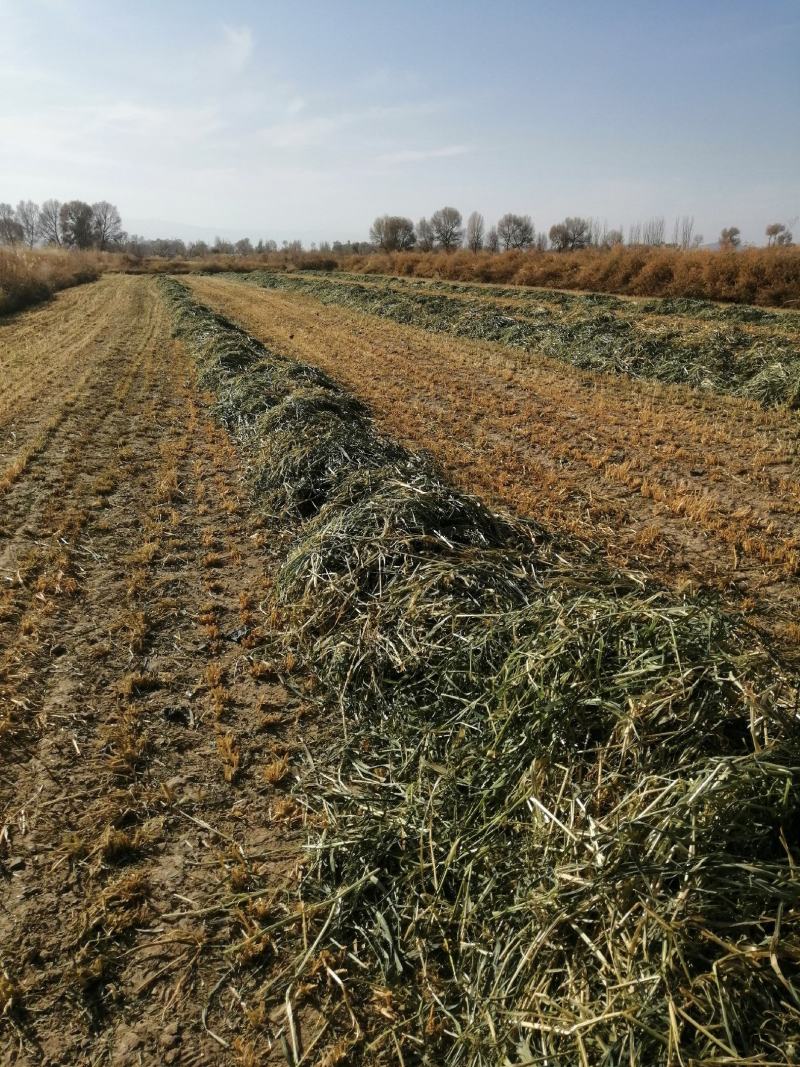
{"points": [[144, 727], [699, 489]]}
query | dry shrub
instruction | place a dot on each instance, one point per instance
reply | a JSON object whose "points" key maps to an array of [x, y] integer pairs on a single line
{"points": [[28, 276], [755, 275], [215, 263]]}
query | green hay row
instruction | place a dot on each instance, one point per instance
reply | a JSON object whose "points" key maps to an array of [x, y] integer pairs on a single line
{"points": [[533, 298], [560, 825], [593, 332]]}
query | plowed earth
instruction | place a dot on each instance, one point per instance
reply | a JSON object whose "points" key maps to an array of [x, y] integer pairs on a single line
{"points": [[700, 490], [145, 831]]}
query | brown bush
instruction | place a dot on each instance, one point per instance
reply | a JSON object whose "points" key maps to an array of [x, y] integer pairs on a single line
{"points": [[30, 276], [756, 275], [219, 263]]}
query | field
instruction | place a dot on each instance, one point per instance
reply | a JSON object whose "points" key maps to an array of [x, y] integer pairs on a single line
{"points": [[696, 487], [397, 671]]}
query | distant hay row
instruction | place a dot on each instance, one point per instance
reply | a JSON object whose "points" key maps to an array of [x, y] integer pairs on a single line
{"points": [[560, 826], [592, 332]]}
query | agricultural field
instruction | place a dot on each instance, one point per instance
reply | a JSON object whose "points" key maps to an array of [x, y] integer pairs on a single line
{"points": [[600, 438], [397, 671]]}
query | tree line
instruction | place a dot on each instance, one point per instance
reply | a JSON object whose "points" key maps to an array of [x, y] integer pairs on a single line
{"points": [[445, 231], [73, 224], [77, 224], [175, 248]]}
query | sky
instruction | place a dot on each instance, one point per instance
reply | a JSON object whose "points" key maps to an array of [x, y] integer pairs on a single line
{"points": [[278, 119]]}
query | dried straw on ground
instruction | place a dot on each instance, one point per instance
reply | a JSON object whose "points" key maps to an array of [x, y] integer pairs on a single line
{"points": [[561, 826]]}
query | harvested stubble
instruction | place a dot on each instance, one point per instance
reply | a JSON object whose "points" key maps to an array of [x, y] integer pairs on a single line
{"points": [[562, 821], [594, 332]]}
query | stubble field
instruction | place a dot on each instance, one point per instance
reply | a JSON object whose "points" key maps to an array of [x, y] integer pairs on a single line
{"points": [[695, 486], [397, 671]]}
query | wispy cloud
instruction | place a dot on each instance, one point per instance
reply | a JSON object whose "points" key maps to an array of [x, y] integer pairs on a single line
{"points": [[417, 155], [302, 132], [303, 129], [237, 46]]}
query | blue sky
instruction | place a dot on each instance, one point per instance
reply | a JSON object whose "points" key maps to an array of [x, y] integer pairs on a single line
{"points": [[306, 119]]}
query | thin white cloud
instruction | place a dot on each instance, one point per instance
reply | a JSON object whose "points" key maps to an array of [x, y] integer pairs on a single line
{"points": [[238, 46], [416, 155], [303, 132]]}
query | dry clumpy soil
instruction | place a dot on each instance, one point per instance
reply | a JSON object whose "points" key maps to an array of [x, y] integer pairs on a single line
{"points": [[145, 725]]}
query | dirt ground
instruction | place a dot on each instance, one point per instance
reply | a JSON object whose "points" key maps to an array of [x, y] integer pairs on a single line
{"points": [[146, 726], [697, 489]]}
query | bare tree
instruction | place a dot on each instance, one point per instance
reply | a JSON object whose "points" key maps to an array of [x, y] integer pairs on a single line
{"points": [[50, 222], [11, 233], [682, 231], [393, 233], [571, 234], [446, 225], [541, 242], [167, 247], [635, 233], [77, 224], [597, 232], [774, 231], [426, 238], [730, 237], [475, 226], [612, 238], [28, 218], [136, 245], [106, 225], [784, 239], [515, 231], [653, 231]]}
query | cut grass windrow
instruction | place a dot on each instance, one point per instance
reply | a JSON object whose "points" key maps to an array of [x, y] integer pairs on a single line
{"points": [[592, 332], [561, 823]]}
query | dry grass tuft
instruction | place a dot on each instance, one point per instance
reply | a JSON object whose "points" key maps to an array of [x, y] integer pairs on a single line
{"points": [[276, 770], [229, 754]]}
